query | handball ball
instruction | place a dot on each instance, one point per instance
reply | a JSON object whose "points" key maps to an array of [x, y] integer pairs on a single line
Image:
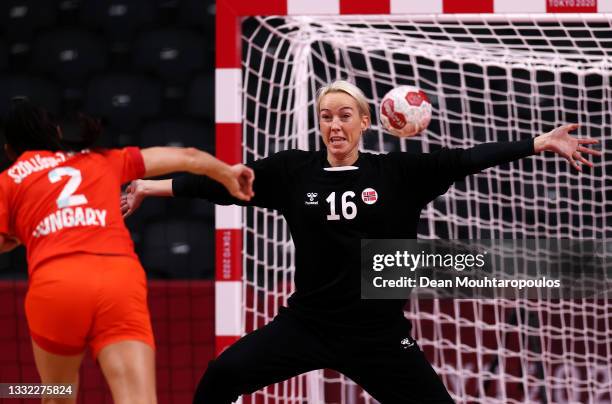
{"points": [[405, 111]]}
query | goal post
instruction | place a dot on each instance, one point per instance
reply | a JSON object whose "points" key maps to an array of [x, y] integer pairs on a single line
{"points": [[494, 70]]}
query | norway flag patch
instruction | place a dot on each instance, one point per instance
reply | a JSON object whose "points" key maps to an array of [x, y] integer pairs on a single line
{"points": [[369, 196]]}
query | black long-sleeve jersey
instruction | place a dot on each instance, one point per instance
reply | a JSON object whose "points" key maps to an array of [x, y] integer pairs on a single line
{"points": [[330, 209]]}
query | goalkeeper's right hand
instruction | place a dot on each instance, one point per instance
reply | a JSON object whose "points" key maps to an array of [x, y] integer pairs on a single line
{"points": [[131, 198], [138, 190], [237, 179]]}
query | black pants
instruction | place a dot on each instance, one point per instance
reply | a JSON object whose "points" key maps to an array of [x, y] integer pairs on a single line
{"points": [[388, 364]]}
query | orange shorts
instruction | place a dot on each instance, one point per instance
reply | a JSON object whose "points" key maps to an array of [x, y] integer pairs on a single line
{"points": [[81, 300]]}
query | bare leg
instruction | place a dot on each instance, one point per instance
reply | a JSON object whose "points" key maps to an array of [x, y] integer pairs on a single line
{"points": [[54, 368], [129, 369]]}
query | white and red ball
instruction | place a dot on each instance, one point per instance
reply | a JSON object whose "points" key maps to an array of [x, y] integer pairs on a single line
{"points": [[405, 111]]}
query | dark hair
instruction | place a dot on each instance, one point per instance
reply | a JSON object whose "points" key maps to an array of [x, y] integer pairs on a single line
{"points": [[31, 127]]}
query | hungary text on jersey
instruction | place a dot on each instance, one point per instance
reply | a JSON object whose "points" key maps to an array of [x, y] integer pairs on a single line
{"points": [[58, 203], [70, 217]]}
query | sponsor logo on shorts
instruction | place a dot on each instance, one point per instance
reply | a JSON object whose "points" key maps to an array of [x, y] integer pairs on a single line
{"points": [[407, 342]]}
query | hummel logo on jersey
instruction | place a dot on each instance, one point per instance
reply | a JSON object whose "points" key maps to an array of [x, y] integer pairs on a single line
{"points": [[311, 198], [407, 343]]}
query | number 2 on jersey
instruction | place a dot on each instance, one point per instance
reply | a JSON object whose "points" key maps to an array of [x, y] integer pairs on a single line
{"points": [[349, 209], [66, 198]]}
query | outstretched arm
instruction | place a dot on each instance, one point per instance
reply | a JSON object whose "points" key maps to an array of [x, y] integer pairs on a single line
{"points": [[267, 180], [459, 163], [241, 177], [164, 160], [446, 166]]}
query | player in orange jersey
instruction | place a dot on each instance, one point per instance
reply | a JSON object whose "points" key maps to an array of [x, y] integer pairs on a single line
{"points": [[86, 285]]}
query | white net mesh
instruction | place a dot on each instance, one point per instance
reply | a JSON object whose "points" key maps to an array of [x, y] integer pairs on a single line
{"points": [[489, 78]]}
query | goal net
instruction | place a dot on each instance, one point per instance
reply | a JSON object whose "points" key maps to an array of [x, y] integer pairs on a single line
{"points": [[489, 78]]}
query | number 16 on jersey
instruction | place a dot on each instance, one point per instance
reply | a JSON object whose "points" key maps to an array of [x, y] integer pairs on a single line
{"points": [[349, 209]]}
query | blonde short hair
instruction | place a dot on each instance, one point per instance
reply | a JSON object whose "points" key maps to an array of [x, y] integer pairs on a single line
{"points": [[343, 86]]}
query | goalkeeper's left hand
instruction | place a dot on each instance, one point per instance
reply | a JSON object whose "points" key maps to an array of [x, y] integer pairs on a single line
{"points": [[571, 148]]}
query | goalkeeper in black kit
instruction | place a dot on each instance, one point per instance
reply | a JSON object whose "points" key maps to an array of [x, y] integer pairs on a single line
{"points": [[331, 199]]}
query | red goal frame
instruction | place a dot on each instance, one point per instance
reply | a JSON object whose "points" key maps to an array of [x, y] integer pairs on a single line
{"points": [[228, 104]]}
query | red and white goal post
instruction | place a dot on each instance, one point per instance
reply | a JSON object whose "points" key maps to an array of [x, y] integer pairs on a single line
{"points": [[494, 70]]}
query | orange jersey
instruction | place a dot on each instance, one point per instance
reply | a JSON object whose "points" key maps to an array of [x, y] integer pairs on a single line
{"points": [[58, 203]]}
